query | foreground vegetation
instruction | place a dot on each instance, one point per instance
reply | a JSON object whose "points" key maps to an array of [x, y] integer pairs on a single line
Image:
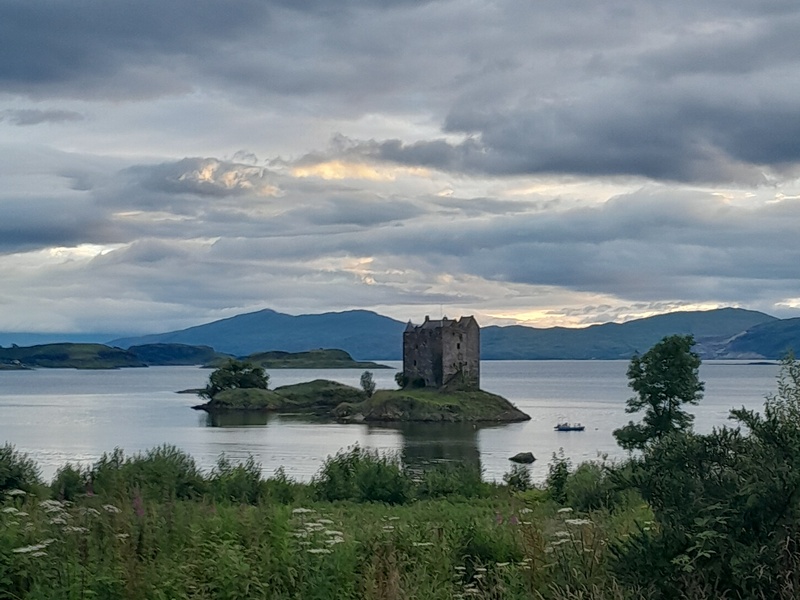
{"points": [[686, 516], [153, 526]]}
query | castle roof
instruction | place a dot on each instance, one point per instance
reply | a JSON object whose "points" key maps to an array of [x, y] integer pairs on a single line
{"points": [[441, 323]]}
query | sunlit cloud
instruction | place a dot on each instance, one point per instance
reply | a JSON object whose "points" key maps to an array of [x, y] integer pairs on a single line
{"points": [[337, 169]]}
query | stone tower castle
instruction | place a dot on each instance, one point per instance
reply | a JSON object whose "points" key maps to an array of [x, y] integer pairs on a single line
{"points": [[443, 352]]}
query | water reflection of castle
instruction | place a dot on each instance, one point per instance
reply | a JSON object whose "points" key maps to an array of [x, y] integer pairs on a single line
{"points": [[425, 444], [422, 445]]}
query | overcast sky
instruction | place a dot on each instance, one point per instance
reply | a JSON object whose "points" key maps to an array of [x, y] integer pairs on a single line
{"points": [[166, 164]]}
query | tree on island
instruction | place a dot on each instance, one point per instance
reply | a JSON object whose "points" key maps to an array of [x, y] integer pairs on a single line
{"points": [[367, 383], [235, 374], [664, 378]]}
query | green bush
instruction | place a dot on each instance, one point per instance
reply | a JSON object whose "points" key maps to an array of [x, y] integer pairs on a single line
{"points": [[400, 379], [237, 483], [451, 478], [363, 476], [17, 471], [160, 473], [69, 483], [518, 478], [557, 476], [281, 489], [591, 487]]}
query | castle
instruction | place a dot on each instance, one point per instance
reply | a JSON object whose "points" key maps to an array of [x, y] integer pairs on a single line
{"points": [[444, 352]]}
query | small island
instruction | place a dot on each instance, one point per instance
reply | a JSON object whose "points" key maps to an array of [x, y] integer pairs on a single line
{"points": [[323, 358], [429, 393], [68, 356]]}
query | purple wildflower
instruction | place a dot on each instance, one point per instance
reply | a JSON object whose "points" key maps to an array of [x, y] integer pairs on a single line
{"points": [[138, 505]]}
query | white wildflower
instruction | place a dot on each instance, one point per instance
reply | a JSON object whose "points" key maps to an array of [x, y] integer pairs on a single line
{"points": [[10, 510], [38, 554], [302, 511], [75, 529], [422, 544], [51, 506], [29, 549], [562, 534], [525, 511], [123, 536], [331, 532], [335, 540], [480, 569], [325, 521], [16, 492], [503, 564], [22, 513], [562, 511], [394, 518], [318, 551], [578, 522], [111, 508], [58, 520], [388, 528]]}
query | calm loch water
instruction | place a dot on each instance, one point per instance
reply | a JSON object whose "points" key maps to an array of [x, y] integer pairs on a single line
{"points": [[59, 416]]}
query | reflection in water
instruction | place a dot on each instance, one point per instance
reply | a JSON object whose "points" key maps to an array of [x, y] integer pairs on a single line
{"points": [[237, 418], [425, 444]]}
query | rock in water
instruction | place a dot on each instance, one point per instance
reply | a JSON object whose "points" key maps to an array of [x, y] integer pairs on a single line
{"points": [[523, 457]]}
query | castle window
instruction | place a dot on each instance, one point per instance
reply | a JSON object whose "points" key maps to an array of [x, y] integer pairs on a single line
{"points": [[458, 346], [415, 363]]}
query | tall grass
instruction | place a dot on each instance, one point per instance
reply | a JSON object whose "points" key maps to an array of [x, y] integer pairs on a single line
{"points": [[153, 526]]}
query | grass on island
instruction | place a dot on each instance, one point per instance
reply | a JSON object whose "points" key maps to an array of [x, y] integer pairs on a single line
{"points": [[344, 402], [425, 404]]}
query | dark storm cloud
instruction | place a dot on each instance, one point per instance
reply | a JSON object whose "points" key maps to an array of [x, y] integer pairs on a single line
{"points": [[658, 136], [67, 44], [680, 91], [33, 223]]}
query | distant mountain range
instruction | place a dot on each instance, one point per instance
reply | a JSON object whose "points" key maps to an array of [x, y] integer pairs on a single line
{"points": [[721, 333]]}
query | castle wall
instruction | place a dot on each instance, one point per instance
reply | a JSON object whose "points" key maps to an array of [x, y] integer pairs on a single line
{"points": [[422, 356], [439, 352]]}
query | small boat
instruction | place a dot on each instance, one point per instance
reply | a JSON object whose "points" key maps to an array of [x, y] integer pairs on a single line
{"points": [[569, 427]]}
